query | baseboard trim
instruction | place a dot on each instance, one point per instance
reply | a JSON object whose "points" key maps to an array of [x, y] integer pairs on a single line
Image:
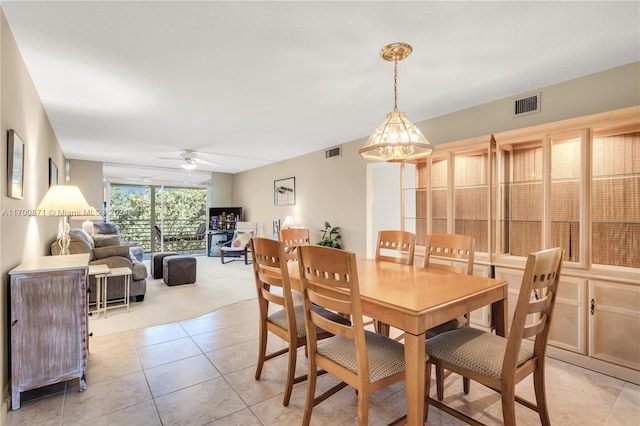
{"points": [[599, 366]]}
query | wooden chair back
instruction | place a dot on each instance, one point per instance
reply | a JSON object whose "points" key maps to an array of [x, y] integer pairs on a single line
{"points": [[535, 302], [272, 280], [323, 270], [291, 239], [396, 246], [451, 247]]}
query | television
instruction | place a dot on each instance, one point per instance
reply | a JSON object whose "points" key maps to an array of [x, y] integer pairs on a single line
{"points": [[224, 218]]}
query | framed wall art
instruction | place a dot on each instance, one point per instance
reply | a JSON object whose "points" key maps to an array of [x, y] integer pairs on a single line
{"points": [[53, 173], [284, 192], [15, 165]]}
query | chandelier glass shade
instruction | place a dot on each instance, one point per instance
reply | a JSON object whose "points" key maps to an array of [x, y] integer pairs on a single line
{"points": [[397, 139]]}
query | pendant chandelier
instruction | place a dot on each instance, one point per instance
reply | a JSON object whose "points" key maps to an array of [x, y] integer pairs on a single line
{"points": [[397, 139]]}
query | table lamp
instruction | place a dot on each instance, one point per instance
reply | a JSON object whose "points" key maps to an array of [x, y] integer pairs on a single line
{"points": [[64, 201], [89, 218], [288, 222]]}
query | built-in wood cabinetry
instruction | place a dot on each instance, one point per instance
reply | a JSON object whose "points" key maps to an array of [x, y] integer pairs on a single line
{"points": [[615, 322], [574, 184], [49, 334]]}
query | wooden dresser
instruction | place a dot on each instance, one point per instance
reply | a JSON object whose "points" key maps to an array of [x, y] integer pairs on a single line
{"points": [[49, 324]]}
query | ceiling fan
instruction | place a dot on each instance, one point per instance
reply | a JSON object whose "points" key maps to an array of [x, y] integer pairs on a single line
{"points": [[189, 160]]}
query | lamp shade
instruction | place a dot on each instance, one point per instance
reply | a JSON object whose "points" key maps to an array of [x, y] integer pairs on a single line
{"points": [[64, 200], [288, 222], [396, 140]]}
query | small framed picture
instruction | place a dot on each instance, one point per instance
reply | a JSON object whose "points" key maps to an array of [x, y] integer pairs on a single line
{"points": [[284, 192], [276, 226]]}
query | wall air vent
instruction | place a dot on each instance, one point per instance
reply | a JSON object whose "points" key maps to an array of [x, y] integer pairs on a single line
{"points": [[333, 152], [527, 104]]}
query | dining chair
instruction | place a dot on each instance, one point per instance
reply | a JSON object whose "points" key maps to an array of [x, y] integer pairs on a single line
{"points": [[362, 359], [452, 248], [273, 287], [291, 238], [498, 362], [398, 247]]}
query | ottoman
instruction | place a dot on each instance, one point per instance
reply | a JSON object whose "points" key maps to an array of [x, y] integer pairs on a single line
{"points": [[155, 263], [178, 270]]}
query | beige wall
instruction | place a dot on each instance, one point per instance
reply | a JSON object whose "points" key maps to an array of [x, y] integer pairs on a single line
{"points": [[221, 190], [87, 175], [331, 190], [605, 91], [23, 236], [336, 189]]}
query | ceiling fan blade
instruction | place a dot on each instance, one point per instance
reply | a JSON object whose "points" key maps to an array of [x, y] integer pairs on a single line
{"points": [[205, 162]]}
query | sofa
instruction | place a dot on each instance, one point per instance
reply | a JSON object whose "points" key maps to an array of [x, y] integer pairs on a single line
{"points": [[107, 249]]}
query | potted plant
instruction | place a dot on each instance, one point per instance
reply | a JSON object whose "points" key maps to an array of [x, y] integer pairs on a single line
{"points": [[330, 236]]}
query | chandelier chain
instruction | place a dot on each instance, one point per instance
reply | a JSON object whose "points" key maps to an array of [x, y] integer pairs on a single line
{"points": [[395, 86]]}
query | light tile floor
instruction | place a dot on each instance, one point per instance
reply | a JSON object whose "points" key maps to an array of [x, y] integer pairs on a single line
{"points": [[201, 372]]}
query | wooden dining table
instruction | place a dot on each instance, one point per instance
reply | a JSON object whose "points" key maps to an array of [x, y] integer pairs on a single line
{"points": [[415, 299]]}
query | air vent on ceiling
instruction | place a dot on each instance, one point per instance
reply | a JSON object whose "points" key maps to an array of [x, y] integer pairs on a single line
{"points": [[333, 152], [527, 104]]}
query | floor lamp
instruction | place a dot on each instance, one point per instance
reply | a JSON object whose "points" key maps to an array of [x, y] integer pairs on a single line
{"points": [[64, 201]]}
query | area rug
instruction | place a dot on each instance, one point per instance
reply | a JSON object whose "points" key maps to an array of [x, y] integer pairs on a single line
{"points": [[217, 285]]}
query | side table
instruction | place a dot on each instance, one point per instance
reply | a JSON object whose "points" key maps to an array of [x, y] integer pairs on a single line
{"points": [[117, 272], [100, 272]]}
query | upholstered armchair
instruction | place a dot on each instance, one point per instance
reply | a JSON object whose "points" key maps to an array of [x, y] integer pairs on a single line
{"points": [[107, 249]]}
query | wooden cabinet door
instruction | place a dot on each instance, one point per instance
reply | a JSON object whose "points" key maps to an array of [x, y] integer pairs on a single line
{"points": [[614, 323], [569, 324], [48, 328]]}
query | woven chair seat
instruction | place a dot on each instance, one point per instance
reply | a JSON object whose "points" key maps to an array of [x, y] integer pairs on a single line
{"points": [[385, 355], [474, 350], [453, 324], [279, 318]]}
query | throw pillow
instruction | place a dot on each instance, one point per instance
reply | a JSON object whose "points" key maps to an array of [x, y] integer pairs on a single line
{"points": [[106, 240], [104, 252], [242, 238]]}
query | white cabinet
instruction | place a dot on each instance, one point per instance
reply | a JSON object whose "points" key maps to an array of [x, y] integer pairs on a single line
{"points": [[615, 323], [569, 324]]}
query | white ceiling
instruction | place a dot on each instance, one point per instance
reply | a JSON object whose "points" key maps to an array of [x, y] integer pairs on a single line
{"points": [[251, 83]]}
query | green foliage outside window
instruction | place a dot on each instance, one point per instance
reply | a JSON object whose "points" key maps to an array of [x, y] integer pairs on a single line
{"points": [[130, 208]]}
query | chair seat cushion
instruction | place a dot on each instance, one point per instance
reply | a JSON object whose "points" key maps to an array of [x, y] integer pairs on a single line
{"points": [[279, 318], [234, 249], [453, 324], [475, 350], [385, 355]]}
